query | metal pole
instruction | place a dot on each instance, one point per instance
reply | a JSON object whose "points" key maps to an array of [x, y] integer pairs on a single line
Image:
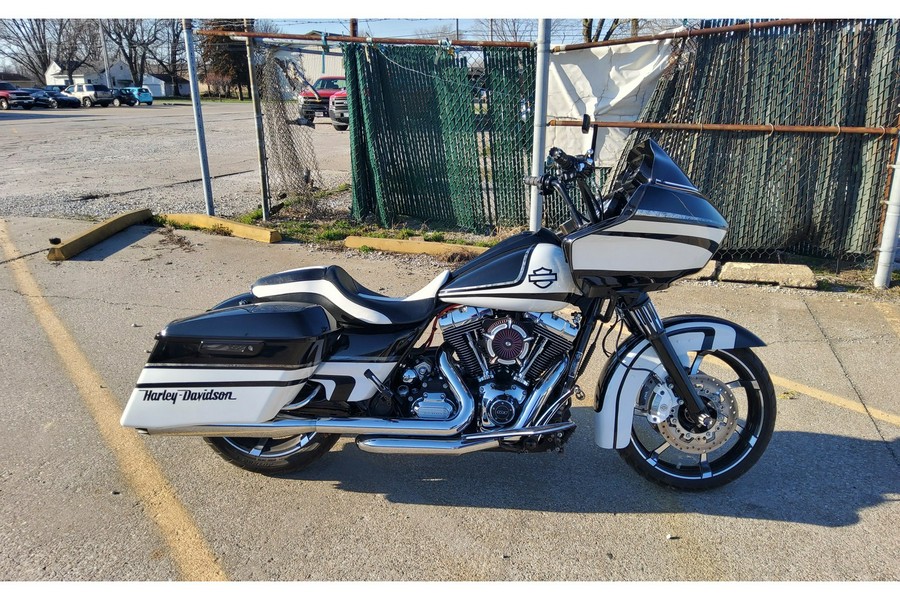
{"points": [[889, 233], [354, 27], [105, 54], [260, 134], [198, 115], [540, 121]]}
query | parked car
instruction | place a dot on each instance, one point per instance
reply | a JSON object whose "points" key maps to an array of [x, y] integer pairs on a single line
{"points": [[314, 101], [60, 100], [124, 96], [11, 97], [91, 93], [337, 111], [142, 94]]}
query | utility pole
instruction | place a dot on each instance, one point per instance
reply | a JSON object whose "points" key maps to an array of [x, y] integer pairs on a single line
{"points": [[491, 21], [105, 55], [457, 29], [260, 134], [353, 27], [198, 114], [540, 120]]}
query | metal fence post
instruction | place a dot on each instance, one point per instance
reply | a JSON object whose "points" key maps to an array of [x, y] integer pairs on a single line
{"points": [[889, 233], [198, 115], [540, 120], [260, 135]]}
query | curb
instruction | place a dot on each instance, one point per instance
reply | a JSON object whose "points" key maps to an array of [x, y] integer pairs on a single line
{"points": [[795, 276], [410, 246], [97, 234], [250, 232]]}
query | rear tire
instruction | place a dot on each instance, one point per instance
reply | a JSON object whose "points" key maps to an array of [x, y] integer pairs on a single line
{"points": [[340, 126], [274, 456], [653, 451], [117, 103]]}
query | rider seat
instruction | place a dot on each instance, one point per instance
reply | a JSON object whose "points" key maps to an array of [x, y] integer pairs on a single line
{"points": [[346, 299]]}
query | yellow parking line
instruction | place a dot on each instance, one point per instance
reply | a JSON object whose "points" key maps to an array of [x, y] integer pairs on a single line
{"points": [[836, 400], [193, 558], [890, 315]]}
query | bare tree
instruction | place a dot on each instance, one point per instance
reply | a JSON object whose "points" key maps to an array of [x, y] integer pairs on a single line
{"points": [[133, 38], [77, 44], [167, 54], [29, 44], [441, 32]]}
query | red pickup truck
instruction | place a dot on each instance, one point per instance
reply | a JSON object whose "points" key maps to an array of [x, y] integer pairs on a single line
{"points": [[314, 100], [11, 96]]}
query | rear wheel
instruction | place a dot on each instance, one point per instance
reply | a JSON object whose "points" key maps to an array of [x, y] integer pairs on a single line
{"points": [[117, 103], [668, 448], [340, 126], [271, 456]]}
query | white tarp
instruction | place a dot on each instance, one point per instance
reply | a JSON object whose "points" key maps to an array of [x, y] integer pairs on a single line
{"points": [[611, 83]]}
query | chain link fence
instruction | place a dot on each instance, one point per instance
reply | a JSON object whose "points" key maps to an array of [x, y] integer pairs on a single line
{"points": [[291, 165], [439, 134], [443, 135]]}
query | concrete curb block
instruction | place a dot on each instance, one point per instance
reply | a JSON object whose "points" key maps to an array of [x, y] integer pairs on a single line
{"points": [[709, 272], [796, 276], [250, 232], [97, 234], [409, 246]]}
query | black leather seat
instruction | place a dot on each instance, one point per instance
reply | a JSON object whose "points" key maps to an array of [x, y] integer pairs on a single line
{"points": [[346, 299]]}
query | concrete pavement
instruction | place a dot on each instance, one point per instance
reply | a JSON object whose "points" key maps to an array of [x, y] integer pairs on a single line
{"points": [[820, 505]]}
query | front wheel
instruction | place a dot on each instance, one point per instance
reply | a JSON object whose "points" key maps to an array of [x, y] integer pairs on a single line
{"points": [[668, 448], [117, 103], [274, 456]]}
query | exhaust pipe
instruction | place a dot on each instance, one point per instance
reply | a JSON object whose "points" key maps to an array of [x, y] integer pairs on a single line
{"points": [[347, 426], [467, 443]]}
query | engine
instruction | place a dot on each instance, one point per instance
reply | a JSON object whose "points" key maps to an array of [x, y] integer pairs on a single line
{"points": [[501, 355]]}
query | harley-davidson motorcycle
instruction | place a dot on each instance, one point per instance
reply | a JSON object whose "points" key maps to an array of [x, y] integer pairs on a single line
{"points": [[272, 378]]}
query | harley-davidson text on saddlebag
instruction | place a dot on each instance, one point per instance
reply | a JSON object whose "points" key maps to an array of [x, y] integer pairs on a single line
{"points": [[237, 364]]}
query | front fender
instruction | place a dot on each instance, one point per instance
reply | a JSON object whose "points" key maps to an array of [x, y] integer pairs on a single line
{"points": [[627, 369]]}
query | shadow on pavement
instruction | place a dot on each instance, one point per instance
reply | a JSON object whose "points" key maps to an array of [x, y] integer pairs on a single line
{"points": [[114, 244], [809, 478]]}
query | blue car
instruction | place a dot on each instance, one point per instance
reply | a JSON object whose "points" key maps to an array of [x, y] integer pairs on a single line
{"points": [[142, 94]]}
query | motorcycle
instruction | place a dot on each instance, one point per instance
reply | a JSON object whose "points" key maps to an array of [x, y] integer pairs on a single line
{"points": [[272, 378]]}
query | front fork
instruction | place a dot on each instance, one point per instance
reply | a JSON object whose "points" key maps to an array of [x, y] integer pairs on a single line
{"points": [[641, 317]]}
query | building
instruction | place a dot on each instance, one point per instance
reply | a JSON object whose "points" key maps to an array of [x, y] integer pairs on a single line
{"points": [[119, 75], [17, 79], [163, 85]]}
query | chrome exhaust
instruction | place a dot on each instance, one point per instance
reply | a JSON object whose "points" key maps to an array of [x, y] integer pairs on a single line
{"points": [[280, 428], [467, 443]]}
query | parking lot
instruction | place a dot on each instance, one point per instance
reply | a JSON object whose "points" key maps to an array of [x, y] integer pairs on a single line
{"points": [[83, 499]]}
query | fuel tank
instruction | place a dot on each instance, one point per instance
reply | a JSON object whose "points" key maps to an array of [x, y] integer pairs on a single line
{"points": [[526, 272]]}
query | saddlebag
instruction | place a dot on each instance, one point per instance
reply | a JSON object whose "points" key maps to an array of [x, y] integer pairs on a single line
{"points": [[239, 364]]}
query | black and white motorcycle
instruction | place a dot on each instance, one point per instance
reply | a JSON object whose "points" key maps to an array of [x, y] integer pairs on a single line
{"points": [[272, 378]]}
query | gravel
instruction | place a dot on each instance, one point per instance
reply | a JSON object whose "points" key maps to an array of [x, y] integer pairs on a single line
{"points": [[94, 163]]}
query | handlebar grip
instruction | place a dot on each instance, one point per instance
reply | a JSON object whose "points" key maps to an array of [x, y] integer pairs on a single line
{"points": [[535, 181], [562, 159]]}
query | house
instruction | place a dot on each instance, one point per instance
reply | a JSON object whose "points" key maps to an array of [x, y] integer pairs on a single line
{"points": [[119, 75], [163, 85], [16, 79]]}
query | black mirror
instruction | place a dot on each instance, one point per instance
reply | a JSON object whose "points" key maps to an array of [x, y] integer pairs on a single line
{"points": [[585, 124]]}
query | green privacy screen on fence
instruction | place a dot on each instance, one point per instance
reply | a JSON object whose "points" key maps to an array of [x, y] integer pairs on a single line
{"points": [[812, 194], [438, 135]]}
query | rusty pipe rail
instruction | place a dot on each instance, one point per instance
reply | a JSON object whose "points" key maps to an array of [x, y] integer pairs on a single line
{"points": [[361, 40], [688, 33], [765, 128]]}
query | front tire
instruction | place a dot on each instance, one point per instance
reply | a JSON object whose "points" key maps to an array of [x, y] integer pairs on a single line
{"points": [[87, 103], [117, 103], [678, 454], [274, 456]]}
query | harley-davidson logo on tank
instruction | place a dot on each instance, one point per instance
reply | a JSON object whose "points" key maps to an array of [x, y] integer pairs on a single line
{"points": [[534, 278]]}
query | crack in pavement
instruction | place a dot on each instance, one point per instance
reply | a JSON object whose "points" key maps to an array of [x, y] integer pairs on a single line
{"points": [[102, 301]]}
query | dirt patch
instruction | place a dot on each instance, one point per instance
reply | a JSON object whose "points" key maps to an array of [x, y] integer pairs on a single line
{"points": [[171, 238]]}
